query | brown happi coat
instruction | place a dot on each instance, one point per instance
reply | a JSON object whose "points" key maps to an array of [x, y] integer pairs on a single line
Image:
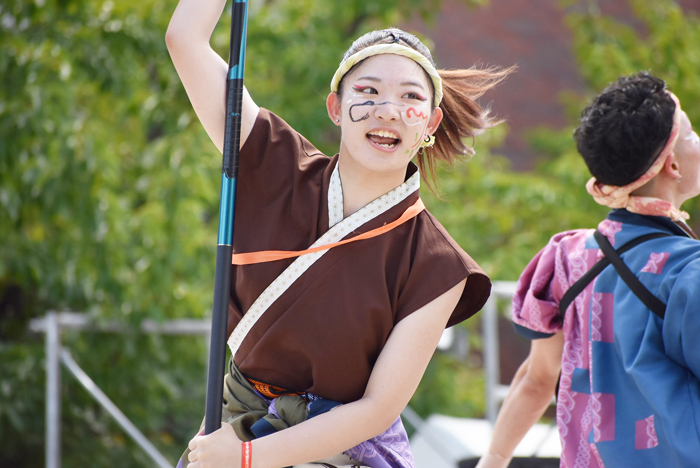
{"points": [[325, 332]]}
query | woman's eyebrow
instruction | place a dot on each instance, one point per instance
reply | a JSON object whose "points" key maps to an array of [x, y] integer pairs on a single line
{"points": [[413, 83], [370, 78], [404, 83]]}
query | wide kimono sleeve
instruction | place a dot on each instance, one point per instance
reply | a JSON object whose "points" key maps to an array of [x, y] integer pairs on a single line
{"points": [[438, 264], [535, 307], [682, 320]]}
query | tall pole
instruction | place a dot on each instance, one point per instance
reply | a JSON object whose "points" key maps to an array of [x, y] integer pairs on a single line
{"points": [[224, 248]]}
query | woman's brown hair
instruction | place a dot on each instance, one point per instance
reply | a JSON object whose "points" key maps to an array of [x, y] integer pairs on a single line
{"points": [[463, 118]]}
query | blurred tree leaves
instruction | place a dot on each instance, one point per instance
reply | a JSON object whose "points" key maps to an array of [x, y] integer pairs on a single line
{"points": [[105, 204]]}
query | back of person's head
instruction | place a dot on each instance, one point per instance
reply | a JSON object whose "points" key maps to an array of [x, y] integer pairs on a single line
{"points": [[625, 128]]}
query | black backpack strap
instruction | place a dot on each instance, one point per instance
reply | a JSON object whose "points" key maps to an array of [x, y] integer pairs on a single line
{"points": [[578, 287], [613, 256], [641, 291]]}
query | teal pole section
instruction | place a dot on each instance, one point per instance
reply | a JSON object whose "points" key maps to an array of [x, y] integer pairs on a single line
{"points": [[226, 210]]}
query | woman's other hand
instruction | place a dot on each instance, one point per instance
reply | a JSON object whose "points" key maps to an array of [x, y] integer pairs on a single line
{"points": [[220, 449]]}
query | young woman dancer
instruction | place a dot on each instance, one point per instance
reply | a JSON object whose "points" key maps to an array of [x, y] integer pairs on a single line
{"points": [[351, 328]]}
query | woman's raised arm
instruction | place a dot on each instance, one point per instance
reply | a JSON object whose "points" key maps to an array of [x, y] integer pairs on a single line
{"points": [[202, 70]]}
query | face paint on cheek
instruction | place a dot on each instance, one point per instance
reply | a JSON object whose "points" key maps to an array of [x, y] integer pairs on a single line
{"points": [[353, 97], [359, 112], [414, 117], [355, 111], [356, 115], [693, 139]]}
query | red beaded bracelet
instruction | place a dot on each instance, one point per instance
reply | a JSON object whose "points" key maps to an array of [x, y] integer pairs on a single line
{"points": [[247, 455]]}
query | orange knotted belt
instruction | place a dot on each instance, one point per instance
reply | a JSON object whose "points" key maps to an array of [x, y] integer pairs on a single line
{"points": [[272, 255]]}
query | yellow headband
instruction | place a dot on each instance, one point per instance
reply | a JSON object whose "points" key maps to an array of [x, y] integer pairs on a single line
{"points": [[396, 49]]}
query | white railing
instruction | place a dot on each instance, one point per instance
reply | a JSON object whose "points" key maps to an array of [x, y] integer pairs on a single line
{"points": [[495, 391], [52, 325]]}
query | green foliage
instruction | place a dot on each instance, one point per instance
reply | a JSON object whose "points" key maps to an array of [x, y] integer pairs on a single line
{"points": [[667, 47], [109, 201], [502, 217], [105, 203], [104, 194], [450, 387], [607, 49]]}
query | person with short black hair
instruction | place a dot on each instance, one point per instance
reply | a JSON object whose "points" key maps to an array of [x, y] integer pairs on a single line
{"points": [[617, 333], [622, 132]]}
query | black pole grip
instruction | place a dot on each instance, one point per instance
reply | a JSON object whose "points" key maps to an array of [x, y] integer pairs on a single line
{"points": [[232, 134], [217, 349]]}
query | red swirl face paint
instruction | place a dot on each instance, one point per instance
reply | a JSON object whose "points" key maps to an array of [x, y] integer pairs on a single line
{"points": [[416, 113], [411, 118]]}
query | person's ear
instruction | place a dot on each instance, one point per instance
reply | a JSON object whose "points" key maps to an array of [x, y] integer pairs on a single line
{"points": [[333, 107], [672, 167], [434, 121]]}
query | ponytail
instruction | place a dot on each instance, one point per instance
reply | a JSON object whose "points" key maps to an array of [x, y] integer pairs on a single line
{"points": [[463, 118]]}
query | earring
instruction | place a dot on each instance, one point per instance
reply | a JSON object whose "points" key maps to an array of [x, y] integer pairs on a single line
{"points": [[678, 180], [428, 142], [337, 120]]}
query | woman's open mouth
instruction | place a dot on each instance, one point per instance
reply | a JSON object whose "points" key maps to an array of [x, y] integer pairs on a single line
{"points": [[384, 139]]}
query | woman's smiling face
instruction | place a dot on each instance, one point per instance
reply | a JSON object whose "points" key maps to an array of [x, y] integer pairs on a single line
{"points": [[385, 111]]}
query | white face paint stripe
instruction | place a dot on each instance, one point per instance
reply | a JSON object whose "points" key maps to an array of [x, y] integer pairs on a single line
{"points": [[353, 95], [404, 116], [693, 137]]}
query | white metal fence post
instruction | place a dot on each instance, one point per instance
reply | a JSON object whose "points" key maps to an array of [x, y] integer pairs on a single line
{"points": [[491, 357], [53, 391]]}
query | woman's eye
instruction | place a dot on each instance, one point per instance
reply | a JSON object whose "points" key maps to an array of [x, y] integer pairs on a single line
{"points": [[414, 96], [365, 89]]}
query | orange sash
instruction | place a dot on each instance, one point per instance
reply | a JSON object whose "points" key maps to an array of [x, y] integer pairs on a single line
{"points": [[273, 255]]}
